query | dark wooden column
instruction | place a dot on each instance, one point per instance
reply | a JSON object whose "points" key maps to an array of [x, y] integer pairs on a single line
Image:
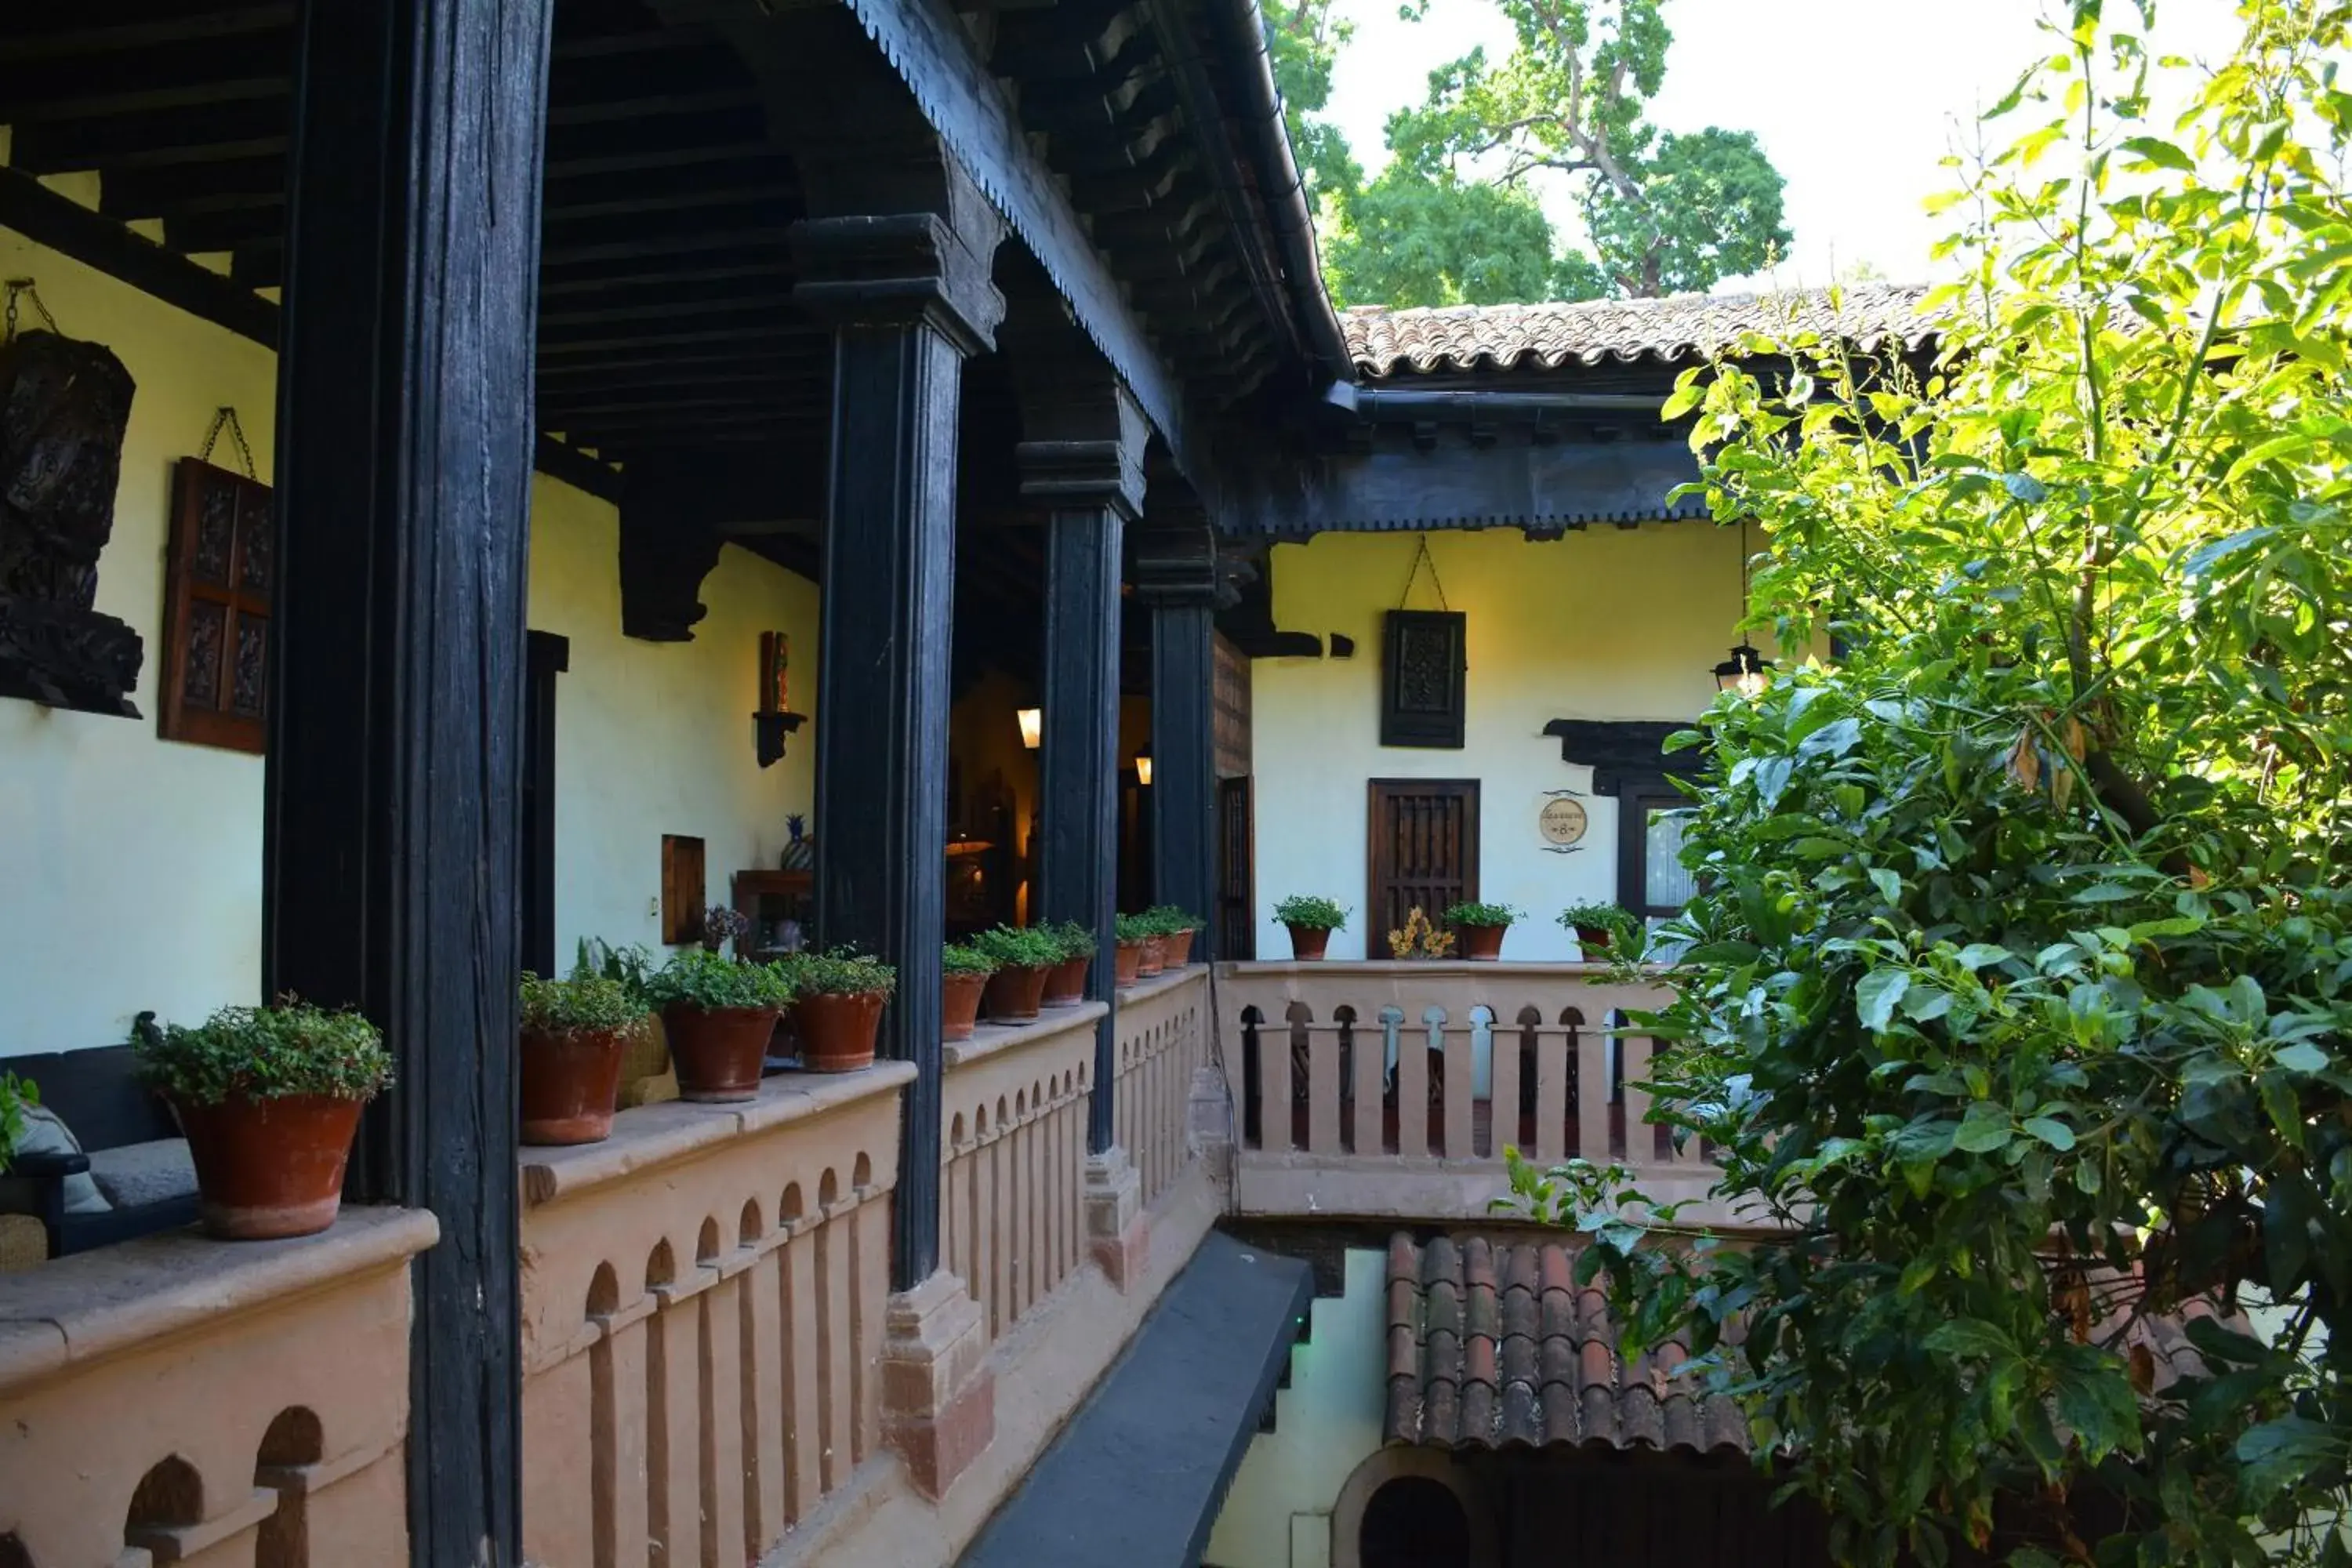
{"points": [[397, 668], [1177, 579], [1084, 457], [910, 299]]}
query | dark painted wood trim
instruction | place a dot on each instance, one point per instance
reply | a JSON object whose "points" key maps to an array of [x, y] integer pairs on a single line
{"points": [[1183, 759], [390, 859], [1546, 489], [940, 63], [1619, 751], [545, 657], [104, 244]]}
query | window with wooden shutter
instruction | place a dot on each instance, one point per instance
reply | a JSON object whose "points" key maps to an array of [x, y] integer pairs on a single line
{"points": [[1425, 852], [218, 578]]}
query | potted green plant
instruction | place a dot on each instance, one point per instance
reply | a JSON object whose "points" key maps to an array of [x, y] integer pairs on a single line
{"points": [[838, 1001], [1132, 957], [16, 1094], [1481, 927], [1066, 983], [1599, 928], [720, 1015], [269, 1098], [964, 972], [571, 1039], [1311, 921], [1022, 955], [1176, 928]]}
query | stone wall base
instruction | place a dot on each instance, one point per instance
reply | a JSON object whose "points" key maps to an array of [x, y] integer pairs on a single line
{"points": [[938, 1394]]}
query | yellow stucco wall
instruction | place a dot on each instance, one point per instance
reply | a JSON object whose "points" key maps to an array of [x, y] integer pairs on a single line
{"points": [[130, 867], [1609, 624]]}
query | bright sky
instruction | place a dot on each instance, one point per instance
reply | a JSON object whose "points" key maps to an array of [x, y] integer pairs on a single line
{"points": [[1856, 101]]}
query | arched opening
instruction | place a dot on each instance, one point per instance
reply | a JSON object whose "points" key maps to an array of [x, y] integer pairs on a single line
{"points": [[170, 1496], [13, 1554], [294, 1440], [1414, 1521]]}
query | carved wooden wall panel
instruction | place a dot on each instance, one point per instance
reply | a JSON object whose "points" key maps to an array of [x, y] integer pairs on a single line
{"points": [[219, 578]]}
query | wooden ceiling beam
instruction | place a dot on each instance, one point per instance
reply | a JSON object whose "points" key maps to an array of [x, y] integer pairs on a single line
{"points": [[66, 33]]}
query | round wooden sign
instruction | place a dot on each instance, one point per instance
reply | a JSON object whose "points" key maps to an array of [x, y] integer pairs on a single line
{"points": [[1561, 821]]}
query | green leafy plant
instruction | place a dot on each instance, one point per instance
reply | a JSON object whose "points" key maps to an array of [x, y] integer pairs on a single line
{"points": [[265, 1053], [2017, 990], [15, 1095], [1171, 921], [1314, 913], [962, 958], [631, 966], [697, 977], [1420, 940], [842, 971], [1076, 939], [1613, 919], [1129, 929], [584, 1003], [1019, 947], [1478, 914]]}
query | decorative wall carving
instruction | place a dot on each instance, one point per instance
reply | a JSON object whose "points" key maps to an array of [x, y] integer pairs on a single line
{"points": [[63, 407], [1421, 679]]}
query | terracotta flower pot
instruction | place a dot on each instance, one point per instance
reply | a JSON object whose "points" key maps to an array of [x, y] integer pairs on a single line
{"points": [[1482, 944], [1307, 943], [269, 1168], [1127, 963], [1179, 948], [838, 1030], [1155, 956], [1014, 993], [1066, 983], [1593, 939], [718, 1051], [570, 1085], [959, 1004]]}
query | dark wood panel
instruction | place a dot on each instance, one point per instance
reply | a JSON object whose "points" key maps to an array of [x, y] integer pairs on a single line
{"points": [[1423, 852]]}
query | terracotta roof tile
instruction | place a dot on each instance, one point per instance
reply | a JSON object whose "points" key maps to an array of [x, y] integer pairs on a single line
{"points": [[1680, 327], [1532, 1363]]}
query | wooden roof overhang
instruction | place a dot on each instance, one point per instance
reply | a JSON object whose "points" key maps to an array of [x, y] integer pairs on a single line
{"points": [[1114, 134]]}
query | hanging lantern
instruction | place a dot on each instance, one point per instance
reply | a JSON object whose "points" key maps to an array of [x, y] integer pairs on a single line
{"points": [[1143, 767], [1747, 673], [1033, 726]]}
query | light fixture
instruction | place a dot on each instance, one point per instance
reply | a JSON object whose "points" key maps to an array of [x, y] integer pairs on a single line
{"points": [[1747, 671], [772, 720], [1033, 727], [1143, 767]]}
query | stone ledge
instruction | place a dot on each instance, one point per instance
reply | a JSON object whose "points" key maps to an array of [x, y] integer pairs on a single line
{"points": [[652, 1135], [993, 1039], [1421, 968], [81, 1309]]}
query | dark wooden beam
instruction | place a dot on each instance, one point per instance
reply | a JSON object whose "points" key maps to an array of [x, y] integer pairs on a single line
{"points": [[45, 218], [391, 841], [69, 32], [254, 128], [1453, 484]]}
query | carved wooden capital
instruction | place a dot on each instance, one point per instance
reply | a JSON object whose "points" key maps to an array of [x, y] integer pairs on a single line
{"points": [[895, 270], [1088, 450]]}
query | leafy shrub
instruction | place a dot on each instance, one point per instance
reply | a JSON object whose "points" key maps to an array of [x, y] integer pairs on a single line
{"points": [[1478, 914], [1314, 913], [962, 958], [1170, 920], [842, 971], [697, 977], [1020, 947], [586, 1004], [1132, 929], [1076, 938], [1623, 930], [265, 1053], [16, 1094], [632, 966]]}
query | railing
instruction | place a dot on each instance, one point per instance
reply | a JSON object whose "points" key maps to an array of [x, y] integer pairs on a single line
{"points": [[1164, 1039], [1344, 1073], [702, 1312]]}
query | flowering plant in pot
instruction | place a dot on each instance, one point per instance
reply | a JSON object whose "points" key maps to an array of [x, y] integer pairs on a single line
{"points": [[1481, 928], [1133, 958], [269, 1098], [1023, 955], [1066, 983], [837, 1001], [1175, 928], [720, 1015], [1602, 929], [1417, 938], [571, 1037], [1311, 921], [964, 971]]}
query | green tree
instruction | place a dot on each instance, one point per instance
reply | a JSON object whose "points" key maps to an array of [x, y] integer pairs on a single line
{"points": [[1418, 238], [2018, 992], [1664, 212], [1303, 38]]}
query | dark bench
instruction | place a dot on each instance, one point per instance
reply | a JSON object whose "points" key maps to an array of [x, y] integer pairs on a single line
{"points": [[98, 1095]]}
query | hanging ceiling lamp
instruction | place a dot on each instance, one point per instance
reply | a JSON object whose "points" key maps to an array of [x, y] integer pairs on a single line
{"points": [[1033, 726], [1747, 671]]}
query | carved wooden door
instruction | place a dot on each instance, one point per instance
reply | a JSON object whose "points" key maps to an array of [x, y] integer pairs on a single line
{"points": [[1425, 852]]}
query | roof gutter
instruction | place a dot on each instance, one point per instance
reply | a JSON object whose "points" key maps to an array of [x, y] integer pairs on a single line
{"points": [[1282, 187], [1382, 403]]}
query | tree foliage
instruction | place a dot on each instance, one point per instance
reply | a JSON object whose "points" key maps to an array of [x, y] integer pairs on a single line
{"points": [[2018, 992]]}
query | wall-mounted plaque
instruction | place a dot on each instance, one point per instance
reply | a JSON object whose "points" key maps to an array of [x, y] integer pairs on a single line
{"points": [[1561, 822]]}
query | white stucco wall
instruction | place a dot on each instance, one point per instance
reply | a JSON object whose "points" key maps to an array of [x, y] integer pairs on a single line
{"points": [[1328, 1422], [130, 866], [1609, 624]]}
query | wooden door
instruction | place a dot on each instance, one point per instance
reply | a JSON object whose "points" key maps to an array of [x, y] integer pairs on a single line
{"points": [[1425, 852], [1236, 933]]}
